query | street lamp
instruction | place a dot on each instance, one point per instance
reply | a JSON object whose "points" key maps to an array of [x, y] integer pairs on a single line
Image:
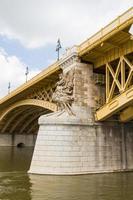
{"points": [[9, 87], [26, 73], [58, 47]]}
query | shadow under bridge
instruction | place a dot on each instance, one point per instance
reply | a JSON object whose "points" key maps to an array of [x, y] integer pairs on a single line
{"points": [[20, 121]]}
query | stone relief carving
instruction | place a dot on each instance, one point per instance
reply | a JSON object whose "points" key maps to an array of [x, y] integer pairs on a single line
{"points": [[63, 94]]}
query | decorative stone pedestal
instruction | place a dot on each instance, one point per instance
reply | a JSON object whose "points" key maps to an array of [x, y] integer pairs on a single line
{"points": [[61, 144], [68, 145]]}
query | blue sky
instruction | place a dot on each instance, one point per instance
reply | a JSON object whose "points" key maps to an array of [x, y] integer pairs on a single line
{"points": [[33, 57], [29, 31]]}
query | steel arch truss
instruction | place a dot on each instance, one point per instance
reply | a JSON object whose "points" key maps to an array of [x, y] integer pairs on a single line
{"points": [[30, 102], [120, 79], [22, 117], [119, 90]]}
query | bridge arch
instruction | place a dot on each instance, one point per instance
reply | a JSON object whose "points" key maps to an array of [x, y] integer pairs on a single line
{"points": [[22, 116], [33, 102]]}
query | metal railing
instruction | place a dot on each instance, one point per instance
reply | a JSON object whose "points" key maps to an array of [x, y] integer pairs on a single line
{"points": [[107, 29]]}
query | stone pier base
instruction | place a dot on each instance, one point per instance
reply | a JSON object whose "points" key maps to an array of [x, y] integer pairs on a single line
{"points": [[69, 145]]}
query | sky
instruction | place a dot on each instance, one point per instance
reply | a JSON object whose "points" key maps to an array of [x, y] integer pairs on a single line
{"points": [[29, 30]]}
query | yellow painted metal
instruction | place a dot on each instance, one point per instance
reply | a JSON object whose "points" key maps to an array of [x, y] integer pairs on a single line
{"points": [[117, 101], [22, 118], [122, 84], [115, 81], [29, 102], [107, 82], [123, 78], [114, 53], [100, 58], [127, 83], [41, 76], [100, 37], [3, 130], [126, 114], [114, 27], [115, 105], [31, 119]]}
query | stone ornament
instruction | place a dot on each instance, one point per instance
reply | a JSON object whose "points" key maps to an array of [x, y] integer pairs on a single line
{"points": [[63, 94]]}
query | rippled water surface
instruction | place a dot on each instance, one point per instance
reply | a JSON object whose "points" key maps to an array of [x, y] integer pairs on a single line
{"points": [[16, 184]]}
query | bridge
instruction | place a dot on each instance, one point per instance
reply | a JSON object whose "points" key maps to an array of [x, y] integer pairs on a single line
{"points": [[95, 90]]}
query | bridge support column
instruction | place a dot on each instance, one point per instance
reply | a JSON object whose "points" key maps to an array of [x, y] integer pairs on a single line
{"points": [[62, 141], [76, 144], [72, 145], [61, 144]]}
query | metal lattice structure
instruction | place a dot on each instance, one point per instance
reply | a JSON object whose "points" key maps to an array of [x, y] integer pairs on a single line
{"points": [[42, 94], [110, 51], [21, 109], [120, 79]]}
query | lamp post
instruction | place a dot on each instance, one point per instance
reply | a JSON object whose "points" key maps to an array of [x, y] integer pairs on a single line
{"points": [[26, 73], [9, 87], [58, 47]]}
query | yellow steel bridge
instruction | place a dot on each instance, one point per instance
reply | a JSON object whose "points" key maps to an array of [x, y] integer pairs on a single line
{"points": [[110, 51]]}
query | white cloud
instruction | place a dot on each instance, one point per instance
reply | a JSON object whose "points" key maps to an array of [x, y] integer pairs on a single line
{"points": [[38, 22], [12, 70]]}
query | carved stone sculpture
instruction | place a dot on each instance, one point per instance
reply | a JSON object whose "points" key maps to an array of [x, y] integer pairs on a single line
{"points": [[63, 94]]}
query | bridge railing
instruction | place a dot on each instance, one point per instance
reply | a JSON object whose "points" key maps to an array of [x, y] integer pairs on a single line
{"points": [[107, 29]]}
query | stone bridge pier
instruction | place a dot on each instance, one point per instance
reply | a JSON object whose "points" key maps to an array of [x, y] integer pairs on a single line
{"points": [[72, 142], [78, 111]]}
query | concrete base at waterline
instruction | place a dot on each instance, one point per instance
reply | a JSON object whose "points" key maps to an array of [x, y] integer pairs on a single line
{"points": [[69, 145], [13, 140]]}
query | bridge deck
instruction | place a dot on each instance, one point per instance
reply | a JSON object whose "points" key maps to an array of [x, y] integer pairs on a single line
{"points": [[107, 32], [43, 78], [105, 46]]}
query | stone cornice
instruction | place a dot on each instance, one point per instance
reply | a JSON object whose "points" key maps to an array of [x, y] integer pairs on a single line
{"points": [[70, 57]]}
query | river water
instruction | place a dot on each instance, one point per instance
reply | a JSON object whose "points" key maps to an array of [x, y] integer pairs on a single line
{"points": [[16, 184]]}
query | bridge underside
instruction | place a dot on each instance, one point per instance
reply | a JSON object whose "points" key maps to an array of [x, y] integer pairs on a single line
{"points": [[22, 120], [19, 117]]}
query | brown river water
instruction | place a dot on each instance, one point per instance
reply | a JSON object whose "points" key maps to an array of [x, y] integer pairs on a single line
{"points": [[16, 184]]}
